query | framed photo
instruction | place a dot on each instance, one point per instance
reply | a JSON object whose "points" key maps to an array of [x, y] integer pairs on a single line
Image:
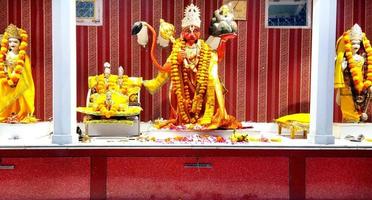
{"points": [[288, 13], [240, 8], [89, 12]]}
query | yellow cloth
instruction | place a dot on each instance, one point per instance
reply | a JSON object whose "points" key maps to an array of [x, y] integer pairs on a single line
{"points": [[339, 74], [299, 117], [349, 113], [20, 99], [214, 86]]}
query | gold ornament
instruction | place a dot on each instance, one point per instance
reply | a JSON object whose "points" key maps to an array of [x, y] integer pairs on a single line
{"points": [[13, 32]]}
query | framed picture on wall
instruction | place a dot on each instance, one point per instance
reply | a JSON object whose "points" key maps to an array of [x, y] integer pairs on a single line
{"points": [[240, 8], [89, 12], [288, 13]]}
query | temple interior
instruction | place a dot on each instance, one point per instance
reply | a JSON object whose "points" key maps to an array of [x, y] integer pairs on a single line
{"points": [[185, 99]]}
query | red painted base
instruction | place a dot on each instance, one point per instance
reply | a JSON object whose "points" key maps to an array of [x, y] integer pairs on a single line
{"points": [[225, 178], [339, 178], [185, 174], [45, 178]]}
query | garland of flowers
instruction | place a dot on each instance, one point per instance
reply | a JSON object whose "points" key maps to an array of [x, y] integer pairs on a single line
{"points": [[176, 81], [202, 79], [123, 84], [180, 84], [359, 85], [104, 84], [187, 88], [11, 78]]}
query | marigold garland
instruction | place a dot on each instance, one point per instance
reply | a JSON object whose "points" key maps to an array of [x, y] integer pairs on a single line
{"points": [[104, 84], [359, 85], [189, 110], [11, 78]]}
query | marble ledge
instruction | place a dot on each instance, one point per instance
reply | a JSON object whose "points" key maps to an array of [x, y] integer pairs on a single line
{"points": [[115, 143], [42, 139]]}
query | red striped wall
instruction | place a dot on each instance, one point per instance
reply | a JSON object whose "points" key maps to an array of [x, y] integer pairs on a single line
{"points": [[266, 71], [265, 77]]}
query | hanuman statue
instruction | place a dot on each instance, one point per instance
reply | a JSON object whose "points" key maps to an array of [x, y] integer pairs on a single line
{"points": [[196, 93]]}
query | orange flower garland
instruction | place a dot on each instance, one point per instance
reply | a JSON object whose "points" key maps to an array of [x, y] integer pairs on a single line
{"points": [[11, 78], [104, 84], [181, 87], [359, 85], [202, 80], [176, 81]]}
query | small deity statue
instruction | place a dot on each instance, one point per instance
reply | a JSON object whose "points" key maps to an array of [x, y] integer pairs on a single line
{"points": [[101, 83], [130, 86], [17, 88], [122, 81], [110, 103], [196, 94], [121, 76], [223, 21], [109, 93], [353, 74]]}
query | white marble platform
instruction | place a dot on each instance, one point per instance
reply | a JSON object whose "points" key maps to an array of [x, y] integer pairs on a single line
{"points": [[33, 131], [17, 138]]}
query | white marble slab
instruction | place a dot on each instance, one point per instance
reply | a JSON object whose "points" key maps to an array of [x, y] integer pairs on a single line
{"points": [[265, 129]]}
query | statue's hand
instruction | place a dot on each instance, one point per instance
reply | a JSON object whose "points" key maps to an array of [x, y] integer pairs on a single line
{"points": [[181, 56], [344, 64]]}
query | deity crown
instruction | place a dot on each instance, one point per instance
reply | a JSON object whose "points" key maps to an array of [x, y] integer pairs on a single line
{"points": [[192, 16], [356, 33], [13, 31]]}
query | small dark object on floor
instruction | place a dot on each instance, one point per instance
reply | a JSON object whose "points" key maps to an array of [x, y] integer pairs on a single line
{"points": [[353, 139]]}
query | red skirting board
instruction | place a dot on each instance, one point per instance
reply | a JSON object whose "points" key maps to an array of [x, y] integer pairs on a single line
{"points": [[187, 173]]}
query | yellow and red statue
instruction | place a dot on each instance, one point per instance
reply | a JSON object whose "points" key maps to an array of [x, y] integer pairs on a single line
{"points": [[196, 93], [17, 88], [353, 74]]}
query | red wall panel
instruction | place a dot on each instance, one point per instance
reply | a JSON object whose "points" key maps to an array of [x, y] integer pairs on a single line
{"points": [[338, 178], [267, 71], [167, 178], [45, 178]]}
